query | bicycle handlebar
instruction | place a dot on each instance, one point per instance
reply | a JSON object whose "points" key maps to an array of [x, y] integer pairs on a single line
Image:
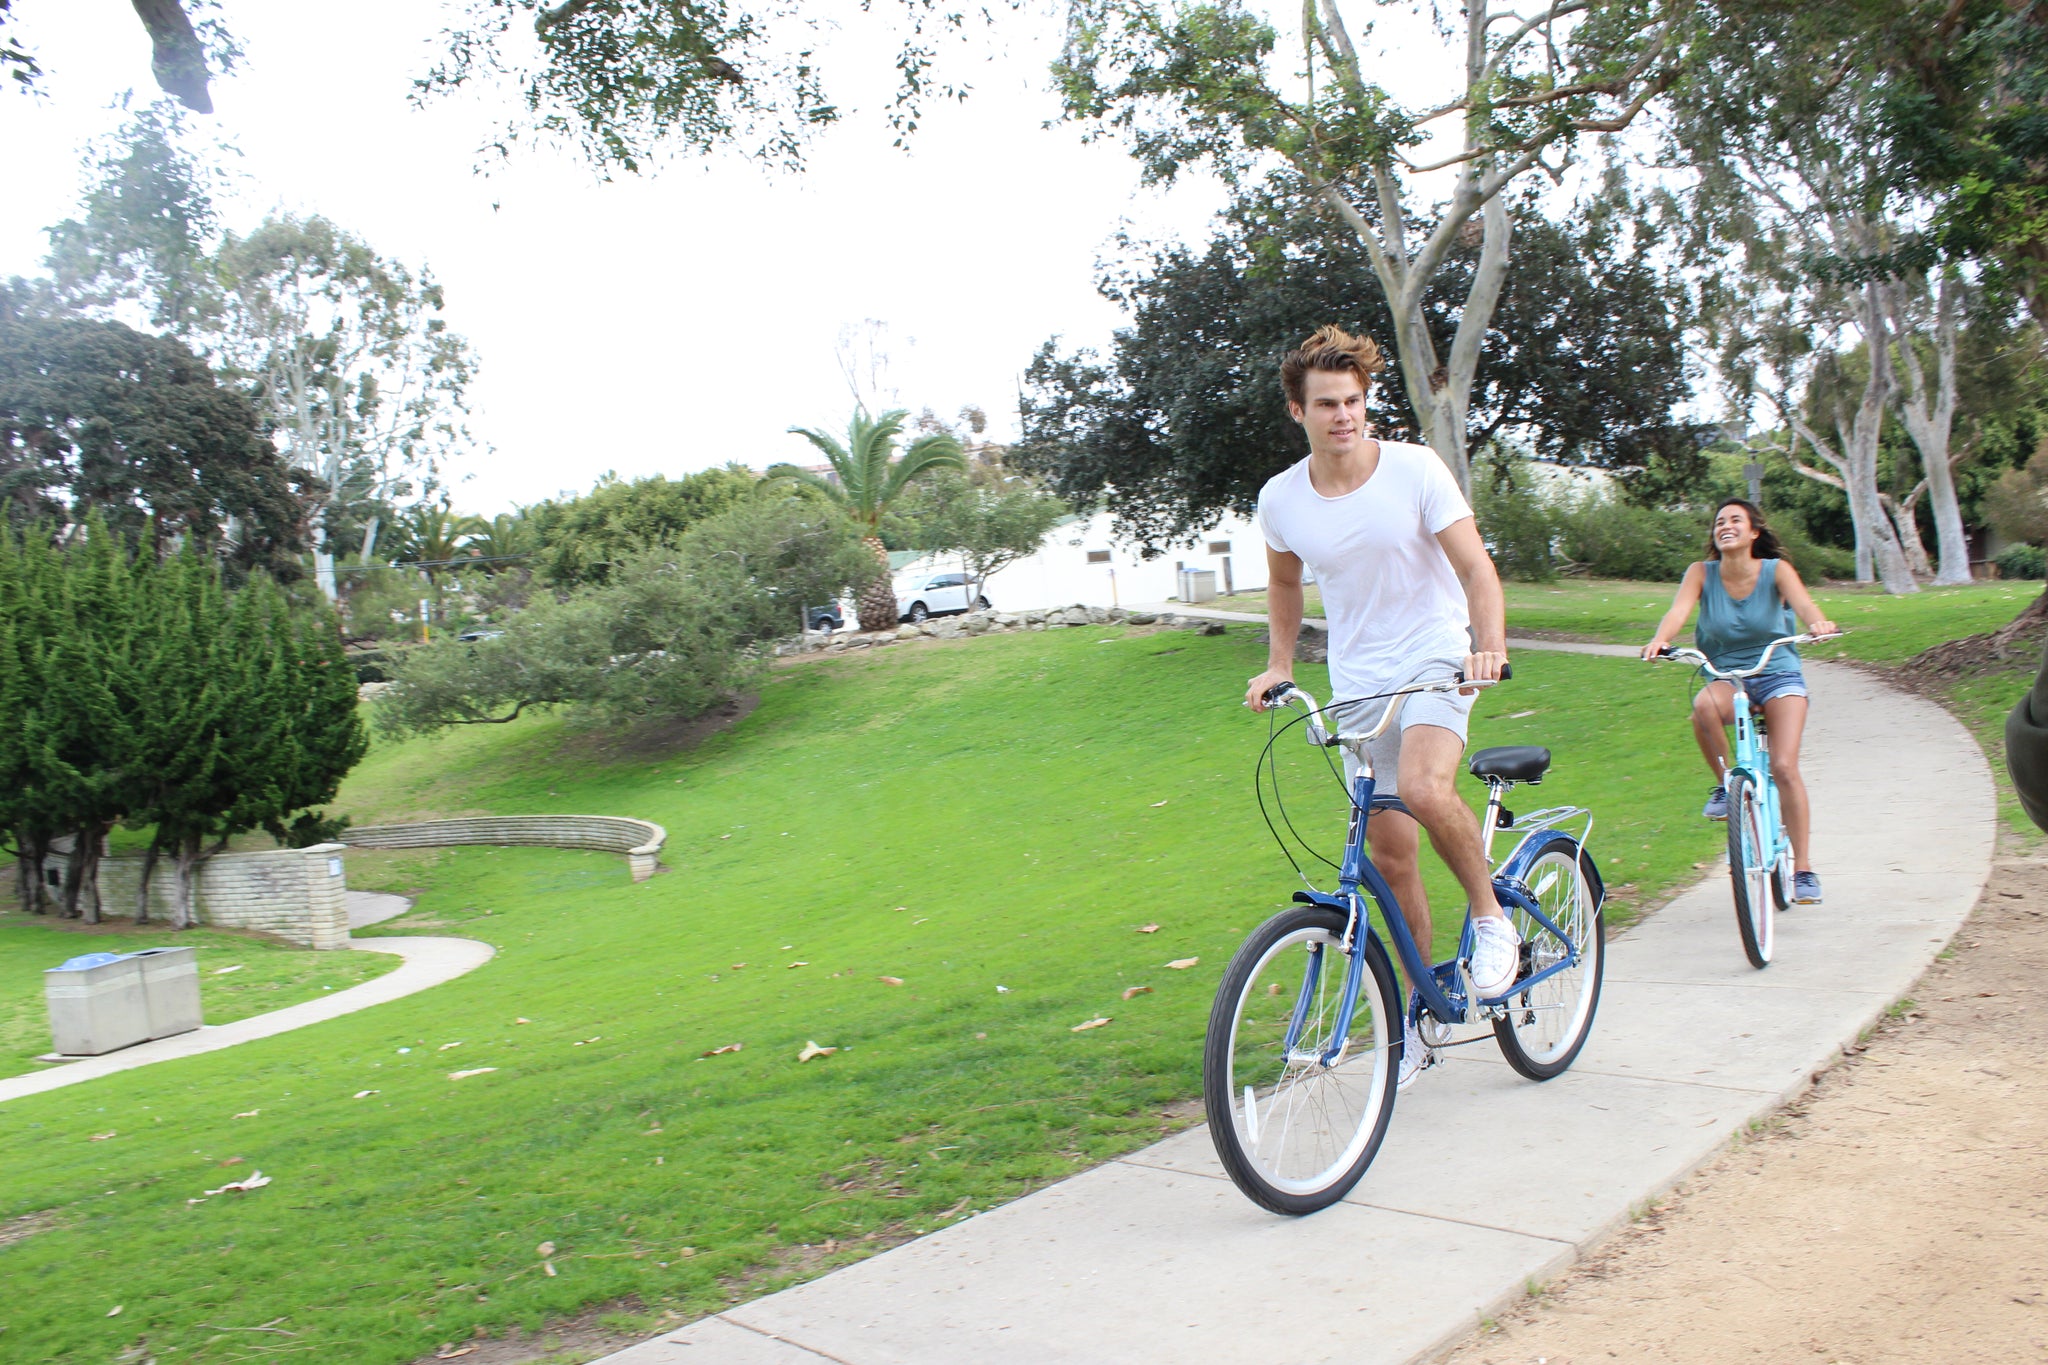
{"points": [[1693, 656], [1287, 694]]}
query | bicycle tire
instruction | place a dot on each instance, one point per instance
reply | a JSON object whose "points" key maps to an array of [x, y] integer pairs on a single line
{"points": [[1748, 874], [1294, 1135], [1781, 874], [1547, 1025]]}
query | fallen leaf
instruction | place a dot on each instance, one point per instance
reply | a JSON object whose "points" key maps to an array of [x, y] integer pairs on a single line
{"points": [[598, 1038], [548, 1266], [445, 1046], [890, 980], [250, 1114], [255, 1180], [1181, 964], [729, 1047], [445, 1354], [1521, 715], [1157, 804], [1002, 990], [739, 966], [794, 965], [1273, 988], [545, 1250], [473, 1071], [687, 1252], [232, 1161], [1149, 929], [1131, 991], [102, 1137], [115, 1311], [522, 1019], [811, 1049], [223, 971], [365, 1094], [1092, 1023]]}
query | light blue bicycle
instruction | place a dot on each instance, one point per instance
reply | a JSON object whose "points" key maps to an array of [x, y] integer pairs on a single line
{"points": [[1300, 1066], [1759, 853]]}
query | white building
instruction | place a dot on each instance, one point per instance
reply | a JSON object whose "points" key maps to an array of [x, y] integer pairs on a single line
{"points": [[1079, 562]]}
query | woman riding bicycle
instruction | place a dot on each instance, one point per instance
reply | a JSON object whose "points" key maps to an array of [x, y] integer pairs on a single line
{"points": [[1747, 595]]}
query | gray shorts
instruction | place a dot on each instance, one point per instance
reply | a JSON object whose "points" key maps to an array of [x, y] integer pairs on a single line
{"points": [[1446, 710]]}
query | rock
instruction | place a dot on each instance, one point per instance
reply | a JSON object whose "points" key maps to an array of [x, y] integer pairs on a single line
{"points": [[1141, 618], [1209, 628], [908, 632], [1098, 616], [975, 625]]}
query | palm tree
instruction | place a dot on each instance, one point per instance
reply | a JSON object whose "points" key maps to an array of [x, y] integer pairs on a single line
{"points": [[430, 535], [867, 480]]}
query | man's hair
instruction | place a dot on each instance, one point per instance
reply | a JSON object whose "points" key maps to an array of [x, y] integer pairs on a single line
{"points": [[1336, 350]]}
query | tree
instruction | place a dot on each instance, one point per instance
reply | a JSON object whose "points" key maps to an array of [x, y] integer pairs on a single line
{"points": [[867, 479], [577, 541], [1195, 84], [989, 519], [357, 369], [670, 632], [1184, 420], [96, 417]]}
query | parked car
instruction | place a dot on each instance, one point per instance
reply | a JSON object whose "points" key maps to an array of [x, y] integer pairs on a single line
{"points": [[470, 637], [829, 617], [936, 595]]}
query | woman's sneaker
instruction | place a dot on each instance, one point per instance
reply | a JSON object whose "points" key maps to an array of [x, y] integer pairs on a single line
{"points": [[1717, 804], [1805, 888], [1415, 1055]]}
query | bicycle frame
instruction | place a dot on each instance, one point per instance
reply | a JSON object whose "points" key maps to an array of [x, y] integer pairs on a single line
{"points": [[1443, 989]]}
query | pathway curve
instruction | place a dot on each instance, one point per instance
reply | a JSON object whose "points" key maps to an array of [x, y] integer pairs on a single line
{"points": [[1486, 1182], [427, 962]]}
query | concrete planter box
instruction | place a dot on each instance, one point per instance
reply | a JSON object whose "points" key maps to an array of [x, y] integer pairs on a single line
{"points": [[103, 1002]]}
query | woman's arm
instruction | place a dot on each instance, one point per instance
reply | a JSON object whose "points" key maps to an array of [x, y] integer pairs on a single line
{"points": [[1794, 595], [1681, 611]]}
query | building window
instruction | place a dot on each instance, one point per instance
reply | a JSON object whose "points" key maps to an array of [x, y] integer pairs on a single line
{"points": [[1219, 547], [1098, 556]]}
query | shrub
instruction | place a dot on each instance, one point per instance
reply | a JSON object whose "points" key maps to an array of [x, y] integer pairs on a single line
{"points": [[1609, 538], [2022, 561], [1520, 528]]}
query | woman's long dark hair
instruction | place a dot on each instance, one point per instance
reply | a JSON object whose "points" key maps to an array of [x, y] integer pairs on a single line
{"points": [[1766, 545]]}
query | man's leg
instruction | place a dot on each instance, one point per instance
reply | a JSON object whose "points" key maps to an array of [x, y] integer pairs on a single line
{"points": [[1396, 851], [1429, 767]]}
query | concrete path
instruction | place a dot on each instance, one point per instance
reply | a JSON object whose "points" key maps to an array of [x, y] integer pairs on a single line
{"points": [[1486, 1182], [366, 908], [428, 962]]}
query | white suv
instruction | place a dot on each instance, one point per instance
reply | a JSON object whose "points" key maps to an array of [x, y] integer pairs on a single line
{"points": [[934, 595]]}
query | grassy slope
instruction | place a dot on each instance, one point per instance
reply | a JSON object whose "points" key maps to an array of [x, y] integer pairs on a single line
{"points": [[239, 974], [959, 817]]}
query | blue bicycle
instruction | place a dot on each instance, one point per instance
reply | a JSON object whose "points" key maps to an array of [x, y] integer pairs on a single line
{"points": [[1759, 853], [1305, 1037]]}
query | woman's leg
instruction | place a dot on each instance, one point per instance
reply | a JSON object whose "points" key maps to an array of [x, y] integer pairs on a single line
{"points": [[1713, 711], [1786, 717]]}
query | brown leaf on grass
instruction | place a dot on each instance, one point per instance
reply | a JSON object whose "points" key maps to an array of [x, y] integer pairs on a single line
{"points": [[1132, 991], [1092, 1023], [549, 1268], [811, 1049], [115, 1311], [794, 965], [718, 1051], [473, 1071], [596, 1038], [1149, 929], [522, 1019], [365, 1094], [223, 971], [451, 1352], [1157, 804], [890, 980], [544, 1250], [1181, 964], [255, 1180], [102, 1137], [445, 1046], [1272, 988], [250, 1114]]}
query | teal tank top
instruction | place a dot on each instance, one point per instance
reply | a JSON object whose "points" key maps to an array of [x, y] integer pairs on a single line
{"points": [[1733, 634]]}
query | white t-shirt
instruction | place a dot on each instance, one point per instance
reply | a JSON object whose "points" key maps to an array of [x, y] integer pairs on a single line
{"points": [[1393, 601]]}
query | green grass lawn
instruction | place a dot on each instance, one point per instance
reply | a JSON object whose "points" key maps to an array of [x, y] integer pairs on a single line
{"points": [[239, 974], [1005, 813]]}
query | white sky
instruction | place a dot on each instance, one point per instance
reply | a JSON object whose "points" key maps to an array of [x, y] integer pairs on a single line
{"points": [[658, 324]]}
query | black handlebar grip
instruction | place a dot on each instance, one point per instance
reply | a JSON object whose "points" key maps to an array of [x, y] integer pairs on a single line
{"points": [[1507, 671], [1273, 695]]}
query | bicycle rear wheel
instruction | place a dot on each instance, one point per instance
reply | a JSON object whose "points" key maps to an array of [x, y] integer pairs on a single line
{"points": [[1296, 1134], [1749, 871], [1547, 1024]]}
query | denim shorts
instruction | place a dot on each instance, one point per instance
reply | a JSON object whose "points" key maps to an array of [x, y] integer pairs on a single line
{"points": [[1447, 710], [1770, 686]]}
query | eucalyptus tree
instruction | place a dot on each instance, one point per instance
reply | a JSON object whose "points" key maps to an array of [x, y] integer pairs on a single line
{"points": [[1202, 84], [867, 479], [350, 353]]}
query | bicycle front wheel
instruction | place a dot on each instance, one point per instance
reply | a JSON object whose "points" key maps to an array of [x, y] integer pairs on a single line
{"points": [[1749, 869], [1294, 1127], [1547, 1024]]}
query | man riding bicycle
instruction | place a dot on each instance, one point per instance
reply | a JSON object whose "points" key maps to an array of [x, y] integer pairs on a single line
{"points": [[1411, 595]]}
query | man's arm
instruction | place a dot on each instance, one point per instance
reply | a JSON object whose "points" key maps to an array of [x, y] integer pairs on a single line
{"points": [[1283, 624], [1485, 603]]}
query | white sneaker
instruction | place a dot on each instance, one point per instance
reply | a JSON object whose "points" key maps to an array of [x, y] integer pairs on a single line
{"points": [[1495, 955], [1414, 1055]]}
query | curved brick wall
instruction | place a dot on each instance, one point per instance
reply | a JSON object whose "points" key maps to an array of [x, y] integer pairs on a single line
{"points": [[639, 840]]}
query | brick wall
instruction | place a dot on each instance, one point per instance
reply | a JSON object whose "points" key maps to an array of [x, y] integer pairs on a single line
{"points": [[295, 893], [639, 840]]}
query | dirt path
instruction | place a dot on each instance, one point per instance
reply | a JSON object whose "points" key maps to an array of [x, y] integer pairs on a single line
{"points": [[1897, 1213]]}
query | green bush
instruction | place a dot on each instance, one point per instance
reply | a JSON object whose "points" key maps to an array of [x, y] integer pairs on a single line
{"points": [[1608, 538], [2022, 561], [1520, 528]]}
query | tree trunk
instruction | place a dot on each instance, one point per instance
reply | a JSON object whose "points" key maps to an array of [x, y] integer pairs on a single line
{"points": [[877, 605], [82, 873], [191, 853], [149, 859], [35, 851], [1930, 421], [1907, 527]]}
